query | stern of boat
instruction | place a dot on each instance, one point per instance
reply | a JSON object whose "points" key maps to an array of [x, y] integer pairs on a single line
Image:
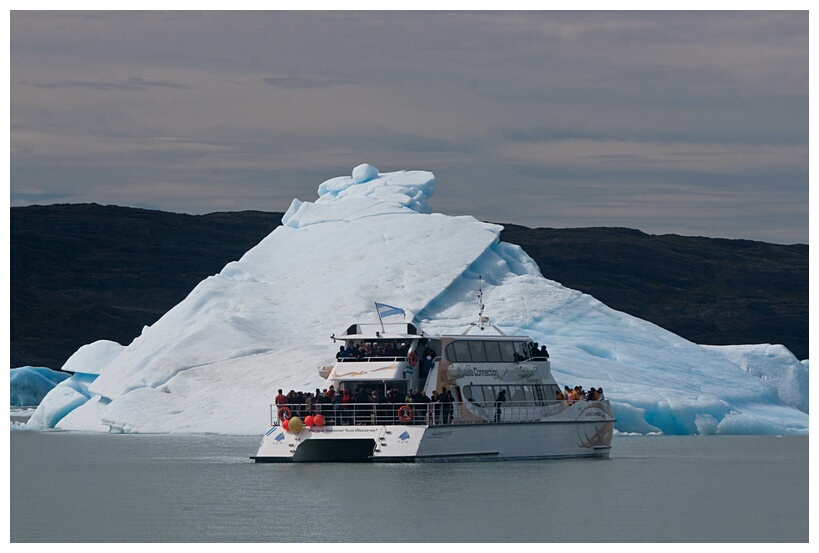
{"points": [[343, 444]]}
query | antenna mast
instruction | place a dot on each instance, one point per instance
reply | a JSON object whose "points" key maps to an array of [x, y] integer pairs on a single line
{"points": [[482, 319]]}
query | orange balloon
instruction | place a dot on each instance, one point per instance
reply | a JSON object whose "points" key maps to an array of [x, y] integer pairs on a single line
{"points": [[308, 420], [318, 420], [286, 424]]}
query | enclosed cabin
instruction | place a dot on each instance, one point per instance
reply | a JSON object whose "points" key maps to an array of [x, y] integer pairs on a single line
{"points": [[396, 374], [376, 362], [477, 367]]}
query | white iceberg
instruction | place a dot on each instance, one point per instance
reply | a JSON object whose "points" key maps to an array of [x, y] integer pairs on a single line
{"points": [[213, 363]]}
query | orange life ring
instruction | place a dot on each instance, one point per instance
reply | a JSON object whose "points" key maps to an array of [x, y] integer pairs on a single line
{"points": [[405, 413], [286, 410], [412, 359]]}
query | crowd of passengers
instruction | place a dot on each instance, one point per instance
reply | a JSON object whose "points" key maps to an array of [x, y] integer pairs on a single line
{"points": [[372, 402], [570, 395], [346, 408], [372, 349]]}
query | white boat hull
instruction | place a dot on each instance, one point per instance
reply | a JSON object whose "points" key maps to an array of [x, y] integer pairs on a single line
{"points": [[582, 430]]}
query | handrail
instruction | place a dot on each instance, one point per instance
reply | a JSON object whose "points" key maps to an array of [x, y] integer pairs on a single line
{"points": [[432, 414], [372, 358]]}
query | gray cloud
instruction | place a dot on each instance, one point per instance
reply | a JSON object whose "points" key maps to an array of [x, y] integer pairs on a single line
{"points": [[689, 122], [132, 83], [297, 82]]}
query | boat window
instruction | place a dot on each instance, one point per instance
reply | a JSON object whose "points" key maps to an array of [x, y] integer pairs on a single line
{"points": [[507, 352], [486, 396], [492, 394], [458, 352], [493, 353], [488, 351], [519, 393], [476, 350]]}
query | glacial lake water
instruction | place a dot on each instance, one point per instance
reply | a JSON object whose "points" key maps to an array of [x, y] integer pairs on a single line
{"points": [[85, 487]]}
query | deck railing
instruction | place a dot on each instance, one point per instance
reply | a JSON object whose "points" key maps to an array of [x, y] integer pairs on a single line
{"points": [[433, 414]]}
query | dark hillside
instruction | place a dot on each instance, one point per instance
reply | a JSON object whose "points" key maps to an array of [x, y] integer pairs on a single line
{"points": [[710, 291], [85, 272], [81, 273]]}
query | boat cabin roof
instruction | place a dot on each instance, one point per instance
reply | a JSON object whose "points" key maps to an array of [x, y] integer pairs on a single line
{"points": [[375, 331], [408, 331]]}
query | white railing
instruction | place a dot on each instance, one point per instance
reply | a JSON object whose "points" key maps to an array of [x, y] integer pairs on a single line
{"points": [[432, 414]]}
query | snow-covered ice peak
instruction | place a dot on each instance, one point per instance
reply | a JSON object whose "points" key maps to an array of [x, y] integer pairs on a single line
{"points": [[365, 193], [213, 362]]}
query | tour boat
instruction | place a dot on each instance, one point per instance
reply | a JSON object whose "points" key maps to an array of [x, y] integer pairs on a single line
{"points": [[503, 402]]}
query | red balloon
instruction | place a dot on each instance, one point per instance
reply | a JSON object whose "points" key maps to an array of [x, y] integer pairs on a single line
{"points": [[286, 424], [318, 420], [308, 420]]}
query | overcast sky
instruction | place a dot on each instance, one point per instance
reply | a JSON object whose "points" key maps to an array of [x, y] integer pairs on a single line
{"points": [[693, 123]]}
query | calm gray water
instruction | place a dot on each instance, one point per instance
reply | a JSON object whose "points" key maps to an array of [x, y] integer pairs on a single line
{"points": [[77, 487]]}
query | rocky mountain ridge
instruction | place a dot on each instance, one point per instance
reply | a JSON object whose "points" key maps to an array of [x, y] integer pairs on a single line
{"points": [[85, 272]]}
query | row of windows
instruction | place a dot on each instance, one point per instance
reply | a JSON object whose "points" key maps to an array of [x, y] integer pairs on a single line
{"points": [[485, 396], [488, 351]]}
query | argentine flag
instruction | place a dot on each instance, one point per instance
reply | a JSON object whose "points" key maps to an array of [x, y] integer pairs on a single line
{"points": [[385, 310]]}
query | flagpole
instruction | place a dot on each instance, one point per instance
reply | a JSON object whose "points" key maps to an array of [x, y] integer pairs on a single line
{"points": [[377, 312]]}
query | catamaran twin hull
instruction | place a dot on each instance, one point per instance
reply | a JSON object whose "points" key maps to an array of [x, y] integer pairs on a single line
{"points": [[581, 430], [400, 394]]}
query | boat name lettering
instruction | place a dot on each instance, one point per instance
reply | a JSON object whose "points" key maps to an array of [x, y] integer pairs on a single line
{"points": [[474, 371], [594, 413], [343, 430]]}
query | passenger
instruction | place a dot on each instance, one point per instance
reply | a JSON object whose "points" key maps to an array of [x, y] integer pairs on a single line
{"points": [[446, 406], [281, 399], [299, 404], [428, 362], [392, 395], [317, 400], [568, 394], [435, 400], [576, 394], [600, 396], [559, 396], [426, 401], [323, 405], [498, 404], [592, 395], [342, 353], [382, 411], [331, 393], [544, 352], [346, 407], [338, 415]]}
